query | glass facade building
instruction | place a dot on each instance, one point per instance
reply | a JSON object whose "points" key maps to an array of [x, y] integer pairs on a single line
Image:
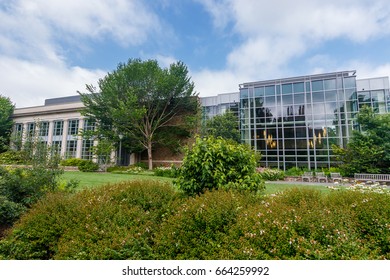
{"points": [[294, 122]]}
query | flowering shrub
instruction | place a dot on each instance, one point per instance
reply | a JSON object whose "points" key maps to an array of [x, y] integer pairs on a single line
{"points": [[149, 220], [271, 174], [111, 222], [163, 171]]}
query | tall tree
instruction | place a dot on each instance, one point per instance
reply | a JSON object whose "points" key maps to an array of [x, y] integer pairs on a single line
{"points": [[369, 149], [139, 100], [225, 126], [6, 123]]}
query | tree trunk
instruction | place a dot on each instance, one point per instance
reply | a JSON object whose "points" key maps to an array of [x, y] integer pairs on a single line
{"points": [[150, 159]]}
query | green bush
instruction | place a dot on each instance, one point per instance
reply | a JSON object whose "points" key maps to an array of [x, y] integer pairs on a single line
{"points": [[131, 169], [27, 185], [294, 171], [149, 220], [170, 172], [9, 211], [112, 222], [88, 166], [71, 162], [12, 157], [199, 226], [272, 174], [218, 164], [303, 224]]}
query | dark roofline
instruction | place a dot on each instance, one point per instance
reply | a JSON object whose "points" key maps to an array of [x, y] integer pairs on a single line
{"points": [[62, 100]]}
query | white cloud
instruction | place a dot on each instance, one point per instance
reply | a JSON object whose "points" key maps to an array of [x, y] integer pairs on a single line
{"points": [[29, 84], [275, 32], [32, 36]]}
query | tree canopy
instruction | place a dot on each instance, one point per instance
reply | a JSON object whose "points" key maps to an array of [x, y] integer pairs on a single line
{"points": [[368, 150], [140, 101], [225, 126], [6, 123]]}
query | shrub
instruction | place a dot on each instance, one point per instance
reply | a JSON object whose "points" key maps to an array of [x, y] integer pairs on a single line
{"points": [[303, 224], [9, 211], [294, 171], [12, 157], [197, 228], [88, 166], [218, 164], [272, 174], [142, 165], [71, 162], [131, 169], [112, 222], [170, 172], [27, 185]]}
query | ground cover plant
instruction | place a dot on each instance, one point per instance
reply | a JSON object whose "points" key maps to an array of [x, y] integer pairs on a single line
{"points": [[151, 220]]}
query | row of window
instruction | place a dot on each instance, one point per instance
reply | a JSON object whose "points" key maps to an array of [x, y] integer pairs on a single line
{"points": [[42, 128], [299, 87]]}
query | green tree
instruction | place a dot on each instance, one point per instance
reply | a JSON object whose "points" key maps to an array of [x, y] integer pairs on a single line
{"points": [[368, 150], [140, 100], [225, 126], [6, 123]]}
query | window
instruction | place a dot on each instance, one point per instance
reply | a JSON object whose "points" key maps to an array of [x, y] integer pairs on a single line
{"points": [[317, 85], [350, 82], [58, 128], [270, 90], [73, 127], [330, 84], [71, 147], [299, 87], [287, 88], [86, 152], [30, 129], [43, 129]]}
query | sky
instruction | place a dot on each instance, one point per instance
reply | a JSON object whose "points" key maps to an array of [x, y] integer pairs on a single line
{"points": [[54, 48]]}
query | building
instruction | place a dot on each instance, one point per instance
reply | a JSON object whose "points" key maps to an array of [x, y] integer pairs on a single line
{"points": [[293, 122]]}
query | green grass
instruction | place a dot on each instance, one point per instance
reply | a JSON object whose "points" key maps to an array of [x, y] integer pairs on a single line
{"points": [[93, 179]]}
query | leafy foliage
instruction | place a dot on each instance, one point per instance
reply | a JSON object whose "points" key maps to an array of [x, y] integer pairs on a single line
{"points": [[88, 166], [12, 157], [71, 162], [150, 220], [112, 222], [6, 111], [218, 164], [170, 172], [140, 100], [271, 174], [368, 150], [225, 126]]}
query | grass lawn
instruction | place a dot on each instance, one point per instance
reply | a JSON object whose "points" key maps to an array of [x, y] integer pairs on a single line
{"points": [[93, 179]]}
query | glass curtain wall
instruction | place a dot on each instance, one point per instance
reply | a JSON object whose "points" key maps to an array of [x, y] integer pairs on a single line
{"points": [[294, 122]]}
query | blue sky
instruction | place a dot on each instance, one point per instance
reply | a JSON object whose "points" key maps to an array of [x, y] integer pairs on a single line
{"points": [[53, 48]]}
